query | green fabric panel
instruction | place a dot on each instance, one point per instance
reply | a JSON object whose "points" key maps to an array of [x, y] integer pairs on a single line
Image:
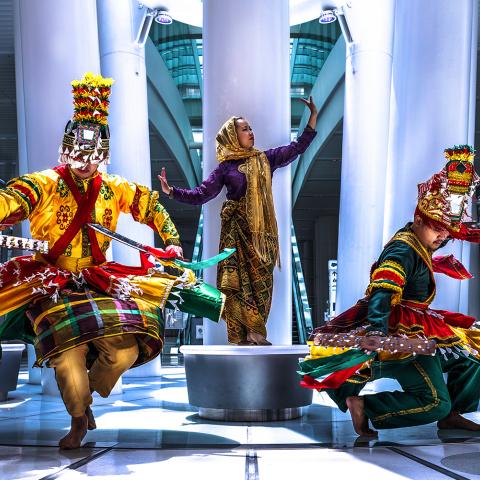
{"points": [[201, 301], [209, 262], [17, 326], [326, 365]]}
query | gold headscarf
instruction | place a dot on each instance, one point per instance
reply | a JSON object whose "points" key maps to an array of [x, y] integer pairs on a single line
{"points": [[260, 208]]}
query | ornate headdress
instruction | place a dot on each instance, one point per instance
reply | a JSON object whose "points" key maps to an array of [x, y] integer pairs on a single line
{"points": [[86, 137], [443, 199]]}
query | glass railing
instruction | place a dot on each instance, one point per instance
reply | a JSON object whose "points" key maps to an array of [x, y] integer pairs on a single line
{"points": [[303, 314]]}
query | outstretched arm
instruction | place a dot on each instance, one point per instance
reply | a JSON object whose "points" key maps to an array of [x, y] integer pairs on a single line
{"points": [[18, 198], [207, 190]]}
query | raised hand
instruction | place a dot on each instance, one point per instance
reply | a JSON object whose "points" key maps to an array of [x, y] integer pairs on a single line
{"points": [[312, 121], [166, 188]]}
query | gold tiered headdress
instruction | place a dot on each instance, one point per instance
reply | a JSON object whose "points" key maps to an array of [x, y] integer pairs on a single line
{"points": [[443, 199], [86, 137]]}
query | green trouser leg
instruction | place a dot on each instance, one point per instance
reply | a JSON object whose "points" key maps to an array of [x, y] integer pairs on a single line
{"points": [[424, 399], [202, 300], [463, 383], [347, 389]]}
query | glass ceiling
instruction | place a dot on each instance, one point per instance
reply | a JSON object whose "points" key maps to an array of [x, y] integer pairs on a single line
{"points": [[310, 45], [181, 47]]}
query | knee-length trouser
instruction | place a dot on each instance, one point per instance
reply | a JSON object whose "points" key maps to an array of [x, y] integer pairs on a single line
{"points": [[425, 398], [76, 384]]}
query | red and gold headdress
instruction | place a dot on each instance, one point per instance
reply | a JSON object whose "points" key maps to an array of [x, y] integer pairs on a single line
{"points": [[86, 137], [443, 199]]}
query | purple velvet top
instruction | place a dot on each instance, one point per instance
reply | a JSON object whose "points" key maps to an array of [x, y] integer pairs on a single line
{"points": [[227, 173]]}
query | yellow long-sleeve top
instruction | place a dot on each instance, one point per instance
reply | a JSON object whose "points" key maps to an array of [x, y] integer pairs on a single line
{"points": [[45, 199]]}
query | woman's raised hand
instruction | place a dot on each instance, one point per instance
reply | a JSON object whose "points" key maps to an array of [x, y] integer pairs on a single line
{"points": [[166, 188], [312, 122]]}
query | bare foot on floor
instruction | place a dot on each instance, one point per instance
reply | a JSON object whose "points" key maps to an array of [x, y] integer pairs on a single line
{"points": [[77, 432], [356, 407], [455, 420], [257, 339], [91, 424]]}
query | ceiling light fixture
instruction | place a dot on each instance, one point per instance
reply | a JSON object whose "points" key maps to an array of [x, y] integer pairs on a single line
{"points": [[163, 18], [159, 14], [327, 16]]}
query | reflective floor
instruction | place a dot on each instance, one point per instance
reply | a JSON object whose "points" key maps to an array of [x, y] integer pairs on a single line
{"points": [[151, 431]]}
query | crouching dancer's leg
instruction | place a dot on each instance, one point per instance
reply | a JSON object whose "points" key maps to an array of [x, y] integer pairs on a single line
{"points": [[464, 388], [72, 379], [424, 399], [115, 355]]}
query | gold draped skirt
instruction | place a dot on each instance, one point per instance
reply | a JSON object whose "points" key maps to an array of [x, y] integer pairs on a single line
{"points": [[244, 278]]}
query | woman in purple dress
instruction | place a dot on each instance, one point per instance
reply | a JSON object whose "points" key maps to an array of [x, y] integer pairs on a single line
{"points": [[248, 222]]}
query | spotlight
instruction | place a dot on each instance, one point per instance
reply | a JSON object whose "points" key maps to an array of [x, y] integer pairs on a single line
{"points": [[159, 14], [331, 14], [163, 18], [327, 16]]}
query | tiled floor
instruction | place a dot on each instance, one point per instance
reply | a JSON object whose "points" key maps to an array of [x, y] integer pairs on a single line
{"points": [[150, 431]]}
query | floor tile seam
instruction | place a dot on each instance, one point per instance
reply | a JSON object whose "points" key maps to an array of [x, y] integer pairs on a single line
{"points": [[238, 446], [75, 465], [232, 446], [426, 463], [267, 446], [251, 465], [16, 417]]}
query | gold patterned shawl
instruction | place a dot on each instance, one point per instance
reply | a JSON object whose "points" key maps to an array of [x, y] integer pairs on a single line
{"points": [[260, 207]]}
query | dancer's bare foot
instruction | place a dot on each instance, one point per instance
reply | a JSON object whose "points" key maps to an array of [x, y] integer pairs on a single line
{"points": [[77, 432], [356, 406], [257, 339], [455, 421], [92, 425]]}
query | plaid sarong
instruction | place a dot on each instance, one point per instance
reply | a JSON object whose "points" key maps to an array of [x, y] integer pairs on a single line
{"points": [[79, 317], [245, 279]]}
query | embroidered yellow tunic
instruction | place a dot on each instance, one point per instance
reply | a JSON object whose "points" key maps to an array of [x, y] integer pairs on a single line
{"points": [[45, 200]]}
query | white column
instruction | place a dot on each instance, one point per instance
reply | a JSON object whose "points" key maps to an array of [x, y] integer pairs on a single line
{"points": [[56, 41], [246, 72], [124, 61], [365, 145], [433, 107]]}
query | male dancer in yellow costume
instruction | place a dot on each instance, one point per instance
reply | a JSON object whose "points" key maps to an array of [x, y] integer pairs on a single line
{"points": [[90, 319]]}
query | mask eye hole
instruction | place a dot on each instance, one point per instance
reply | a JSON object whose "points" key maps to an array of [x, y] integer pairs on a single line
{"points": [[69, 127]]}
